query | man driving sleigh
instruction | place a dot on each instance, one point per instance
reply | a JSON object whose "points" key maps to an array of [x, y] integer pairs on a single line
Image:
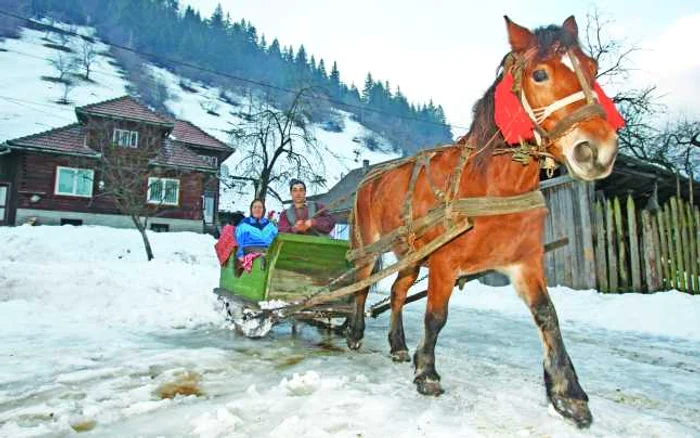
{"points": [[302, 217]]}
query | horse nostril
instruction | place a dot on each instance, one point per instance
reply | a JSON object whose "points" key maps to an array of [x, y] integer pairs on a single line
{"points": [[584, 152]]}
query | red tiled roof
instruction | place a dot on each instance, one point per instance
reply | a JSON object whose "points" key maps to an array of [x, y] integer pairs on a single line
{"points": [[175, 154], [186, 132], [67, 139], [125, 107]]}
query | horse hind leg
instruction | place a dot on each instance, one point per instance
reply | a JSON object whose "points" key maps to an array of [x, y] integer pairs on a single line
{"points": [[397, 338], [561, 382], [355, 330]]}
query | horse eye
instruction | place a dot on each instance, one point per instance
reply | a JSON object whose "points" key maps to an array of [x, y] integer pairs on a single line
{"points": [[539, 75]]}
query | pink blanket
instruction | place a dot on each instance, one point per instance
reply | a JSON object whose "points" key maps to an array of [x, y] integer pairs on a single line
{"points": [[226, 244], [247, 260]]}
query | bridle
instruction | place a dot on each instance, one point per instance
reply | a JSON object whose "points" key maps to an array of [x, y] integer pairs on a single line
{"points": [[516, 64]]}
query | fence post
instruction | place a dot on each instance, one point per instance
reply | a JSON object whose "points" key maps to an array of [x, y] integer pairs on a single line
{"points": [[651, 252], [601, 264], [688, 276], [663, 238], [612, 254], [634, 246], [672, 248], [692, 243], [677, 236], [621, 247]]}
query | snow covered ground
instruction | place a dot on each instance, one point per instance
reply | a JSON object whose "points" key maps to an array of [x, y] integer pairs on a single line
{"points": [[94, 337]]}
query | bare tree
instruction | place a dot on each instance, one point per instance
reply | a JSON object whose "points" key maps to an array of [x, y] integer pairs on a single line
{"points": [[87, 55], [66, 87], [64, 63], [671, 146], [128, 177], [277, 145]]}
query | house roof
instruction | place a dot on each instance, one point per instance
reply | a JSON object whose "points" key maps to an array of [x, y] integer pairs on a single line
{"points": [[127, 108], [344, 189], [174, 154], [641, 179], [186, 132], [64, 140]]}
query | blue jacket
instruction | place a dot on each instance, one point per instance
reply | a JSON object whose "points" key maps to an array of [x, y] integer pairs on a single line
{"points": [[253, 232]]}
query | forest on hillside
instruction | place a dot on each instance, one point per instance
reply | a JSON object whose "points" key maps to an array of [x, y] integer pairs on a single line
{"points": [[230, 54]]}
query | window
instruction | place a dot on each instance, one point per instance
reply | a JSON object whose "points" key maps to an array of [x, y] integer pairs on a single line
{"points": [[209, 201], [74, 182], [164, 191], [74, 222], [4, 198], [126, 138], [212, 161], [160, 228]]}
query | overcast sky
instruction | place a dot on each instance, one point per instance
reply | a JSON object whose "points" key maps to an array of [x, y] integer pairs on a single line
{"points": [[448, 50]]}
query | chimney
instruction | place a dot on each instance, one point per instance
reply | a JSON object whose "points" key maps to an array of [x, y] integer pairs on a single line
{"points": [[365, 166]]}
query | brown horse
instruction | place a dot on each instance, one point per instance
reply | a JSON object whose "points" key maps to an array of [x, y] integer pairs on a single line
{"points": [[552, 83]]}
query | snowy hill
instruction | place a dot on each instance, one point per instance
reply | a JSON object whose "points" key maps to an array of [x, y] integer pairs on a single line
{"points": [[28, 105]]}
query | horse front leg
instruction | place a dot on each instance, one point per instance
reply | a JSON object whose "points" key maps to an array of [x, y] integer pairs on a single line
{"points": [[440, 284], [563, 389], [355, 330], [397, 338]]}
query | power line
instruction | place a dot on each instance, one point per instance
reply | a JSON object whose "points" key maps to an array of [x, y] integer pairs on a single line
{"points": [[20, 102], [230, 76], [29, 55]]}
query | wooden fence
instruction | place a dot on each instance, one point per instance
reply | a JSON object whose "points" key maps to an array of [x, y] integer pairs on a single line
{"points": [[642, 251]]}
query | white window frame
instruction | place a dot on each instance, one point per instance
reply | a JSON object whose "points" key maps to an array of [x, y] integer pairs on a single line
{"points": [[152, 180], [132, 138], [75, 185], [210, 160], [208, 216]]}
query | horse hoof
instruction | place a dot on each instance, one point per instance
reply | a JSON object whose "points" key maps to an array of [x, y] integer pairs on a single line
{"points": [[572, 410], [427, 386], [400, 356], [354, 344]]}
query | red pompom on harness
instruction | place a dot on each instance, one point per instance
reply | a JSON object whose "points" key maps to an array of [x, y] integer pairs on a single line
{"points": [[613, 115], [510, 115]]}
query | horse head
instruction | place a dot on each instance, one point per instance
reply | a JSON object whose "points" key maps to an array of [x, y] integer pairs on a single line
{"points": [[548, 94]]}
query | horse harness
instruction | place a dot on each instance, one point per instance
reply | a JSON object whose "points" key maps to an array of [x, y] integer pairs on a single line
{"points": [[453, 212]]}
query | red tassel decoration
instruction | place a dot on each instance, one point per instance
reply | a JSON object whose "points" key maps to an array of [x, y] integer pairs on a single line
{"points": [[509, 114], [613, 115]]}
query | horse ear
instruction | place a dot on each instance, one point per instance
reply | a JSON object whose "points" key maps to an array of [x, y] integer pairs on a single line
{"points": [[519, 37], [571, 26]]}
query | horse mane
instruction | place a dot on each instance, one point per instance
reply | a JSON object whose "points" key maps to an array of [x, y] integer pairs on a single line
{"points": [[483, 132]]}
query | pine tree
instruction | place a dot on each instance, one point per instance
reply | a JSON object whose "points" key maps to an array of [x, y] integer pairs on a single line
{"points": [[300, 60], [274, 50], [289, 54], [367, 90], [335, 76], [217, 18], [322, 70]]}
